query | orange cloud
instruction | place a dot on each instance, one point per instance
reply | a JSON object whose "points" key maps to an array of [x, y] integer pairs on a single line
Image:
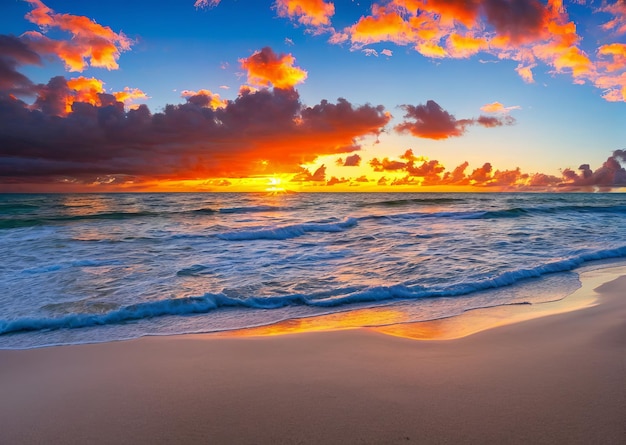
{"points": [[526, 31], [307, 12], [204, 98], [449, 11], [497, 107], [461, 46], [526, 72], [129, 95], [382, 25], [617, 24], [84, 89], [266, 68], [91, 44], [417, 171], [61, 94], [617, 53]]}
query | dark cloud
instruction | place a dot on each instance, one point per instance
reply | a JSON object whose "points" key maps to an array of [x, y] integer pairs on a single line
{"points": [[14, 53], [610, 174], [492, 121], [41, 143], [430, 121], [305, 175], [334, 180], [433, 122], [352, 161], [519, 20]]}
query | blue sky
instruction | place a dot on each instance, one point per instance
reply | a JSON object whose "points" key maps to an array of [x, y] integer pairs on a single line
{"points": [[554, 122]]}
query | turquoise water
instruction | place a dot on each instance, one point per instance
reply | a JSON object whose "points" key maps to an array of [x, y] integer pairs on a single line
{"points": [[100, 267]]}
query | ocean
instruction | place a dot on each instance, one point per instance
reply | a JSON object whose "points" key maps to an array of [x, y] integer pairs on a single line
{"points": [[84, 268]]}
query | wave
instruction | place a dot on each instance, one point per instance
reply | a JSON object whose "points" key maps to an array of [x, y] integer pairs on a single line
{"points": [[410, 201], [70, 264], [340, 297], [12, 208], [251, 209], [13, 221], [286, 232], [203, 211], [194, 271], [514, 212]]}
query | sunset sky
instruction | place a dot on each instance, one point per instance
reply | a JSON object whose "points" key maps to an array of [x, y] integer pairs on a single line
{"points": [[312, 95]]}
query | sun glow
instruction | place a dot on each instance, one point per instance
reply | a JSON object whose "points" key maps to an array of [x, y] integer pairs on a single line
{"points": [[274, 185]]}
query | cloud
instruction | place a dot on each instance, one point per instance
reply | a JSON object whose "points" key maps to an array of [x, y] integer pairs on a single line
{"points": [[387, 52], [610, 174], [408, 160], [265, 68], [418, 171], [306, 176], [206, 3], [462, 46], [204, 98], [497, 107], [44, 143], [516, 20], [14, 53], [91, 44], [129, 95], [59, 95], [433, 122], [334, 181], [430, 121], [617, 23], [314, 13], [492, 121], [382, 25], [352, 160], [528, 32], [387, 165], [616, 52]]}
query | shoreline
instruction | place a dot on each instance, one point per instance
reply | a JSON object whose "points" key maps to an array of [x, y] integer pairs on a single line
{"points": [[550, 379], [446, 328]]}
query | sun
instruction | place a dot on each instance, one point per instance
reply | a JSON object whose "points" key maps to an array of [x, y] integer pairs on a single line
{"points": [[274, 185]]}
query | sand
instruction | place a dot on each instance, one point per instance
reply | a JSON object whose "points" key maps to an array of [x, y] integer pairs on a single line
{"points": [[557, 379]]}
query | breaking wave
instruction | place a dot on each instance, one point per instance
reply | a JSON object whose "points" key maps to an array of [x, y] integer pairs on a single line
{"points": [[214, 301], [286, 232]]}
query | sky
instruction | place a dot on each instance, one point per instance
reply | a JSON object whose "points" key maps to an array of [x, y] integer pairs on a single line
{"points": [[312, 95]]}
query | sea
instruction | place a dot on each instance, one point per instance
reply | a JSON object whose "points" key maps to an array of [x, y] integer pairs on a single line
{"points": [[88, 268]]}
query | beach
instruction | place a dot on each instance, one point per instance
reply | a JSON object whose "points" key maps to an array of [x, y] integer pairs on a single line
{"points": [[553, 379]]}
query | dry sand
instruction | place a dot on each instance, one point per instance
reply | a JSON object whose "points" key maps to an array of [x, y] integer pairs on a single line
{"points": [[558, 379]]}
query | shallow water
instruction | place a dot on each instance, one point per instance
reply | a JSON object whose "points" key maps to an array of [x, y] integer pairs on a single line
{"points": [[98, 267]]}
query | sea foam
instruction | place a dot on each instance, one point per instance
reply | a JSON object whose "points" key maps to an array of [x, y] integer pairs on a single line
{"points": [[214, 301]]}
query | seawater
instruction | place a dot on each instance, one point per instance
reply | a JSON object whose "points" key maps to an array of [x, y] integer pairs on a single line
{"points": [[79, 268]]}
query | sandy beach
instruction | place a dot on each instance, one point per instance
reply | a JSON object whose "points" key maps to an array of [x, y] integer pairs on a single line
{"points": [[555, 379]]}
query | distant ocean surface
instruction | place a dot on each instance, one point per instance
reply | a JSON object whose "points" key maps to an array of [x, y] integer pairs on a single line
{"points": [[81, 268]]}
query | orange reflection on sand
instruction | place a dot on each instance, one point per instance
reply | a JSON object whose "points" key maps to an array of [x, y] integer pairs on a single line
{"points": [[454, 327], [330, 322], [397, 323]]}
